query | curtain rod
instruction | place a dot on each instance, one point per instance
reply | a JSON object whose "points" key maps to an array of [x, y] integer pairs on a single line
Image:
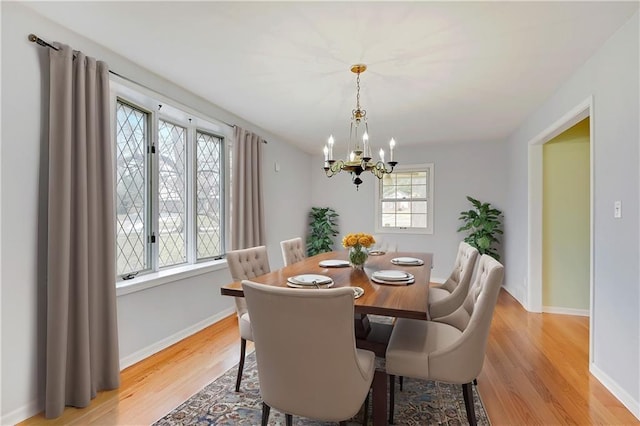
{"points": [[35, 39]]}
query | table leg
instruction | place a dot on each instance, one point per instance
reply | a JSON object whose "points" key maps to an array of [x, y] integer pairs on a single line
{"points": [[376, 339], [362, 325], [380, 398]]}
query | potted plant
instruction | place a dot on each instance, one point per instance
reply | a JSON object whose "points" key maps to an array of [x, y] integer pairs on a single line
{"points": [[322, 229], [483, 223]]}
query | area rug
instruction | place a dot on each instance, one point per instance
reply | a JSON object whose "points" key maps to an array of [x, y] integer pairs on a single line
{"points": [[420, 403]]}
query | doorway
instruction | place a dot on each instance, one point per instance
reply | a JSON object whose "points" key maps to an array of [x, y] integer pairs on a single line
{"points": [[535, 208], [565, 221]]}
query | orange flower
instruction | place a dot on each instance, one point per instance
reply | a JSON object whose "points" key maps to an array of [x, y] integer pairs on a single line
{"points": [[358, 239]]}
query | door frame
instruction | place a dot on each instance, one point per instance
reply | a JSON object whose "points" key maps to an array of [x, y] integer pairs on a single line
{"points": [[534, 274]]}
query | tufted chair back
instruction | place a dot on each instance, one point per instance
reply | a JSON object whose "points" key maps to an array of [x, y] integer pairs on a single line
{"points": [[462, 268], [293, 251], [246, 264], [384, 244], [449, 349], [473, 319], [308, 363], [457, 285]]}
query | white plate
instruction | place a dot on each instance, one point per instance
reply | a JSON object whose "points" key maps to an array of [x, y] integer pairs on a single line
{"points": [[404, 282], [310, 287], [309, 279], [392, 275], [376, 252], [333, 263], [407, 261], [357, 292]]}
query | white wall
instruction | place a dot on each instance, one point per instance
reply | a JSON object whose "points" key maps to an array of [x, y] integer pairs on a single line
{"points": [[465, 169], [147, 319], [288, 197], [611, 76]]}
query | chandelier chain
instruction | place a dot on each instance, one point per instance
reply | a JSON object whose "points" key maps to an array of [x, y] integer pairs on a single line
{"points": [[358, 92]]}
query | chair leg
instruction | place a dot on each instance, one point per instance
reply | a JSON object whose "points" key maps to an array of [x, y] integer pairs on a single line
{"points": [[392, 396], [288, 419], [475, 381], [401, 382], [365, 417], [265, 414], [243, 350], [467, 393]]}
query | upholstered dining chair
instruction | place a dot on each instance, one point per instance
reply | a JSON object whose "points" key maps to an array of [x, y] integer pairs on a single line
{"points": [[447, 297], [384, 244], [245, 264], [308, 363], [293, 250], [451, 349]]}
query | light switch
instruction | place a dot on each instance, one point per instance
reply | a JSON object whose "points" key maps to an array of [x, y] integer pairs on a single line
{"points": [[617, 209], [276, 166]]}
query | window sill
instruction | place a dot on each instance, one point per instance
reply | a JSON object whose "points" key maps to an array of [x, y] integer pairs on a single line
{"points": [[390, 230], [168, 276]]}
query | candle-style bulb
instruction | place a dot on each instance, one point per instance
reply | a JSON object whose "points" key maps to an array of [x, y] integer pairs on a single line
{"points": [[352, 156], [325, 150], [392, 144], [365, 143], [330, 142], [382, 155]]}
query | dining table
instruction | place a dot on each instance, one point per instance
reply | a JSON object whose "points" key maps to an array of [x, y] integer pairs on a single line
{"points": [[376, 297]]}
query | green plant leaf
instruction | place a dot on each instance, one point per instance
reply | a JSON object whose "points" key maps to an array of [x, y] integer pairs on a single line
{"points": [[322, 229], [482, 223]]}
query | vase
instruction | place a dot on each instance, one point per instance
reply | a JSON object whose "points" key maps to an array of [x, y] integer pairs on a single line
{"points": [[358, 256]]}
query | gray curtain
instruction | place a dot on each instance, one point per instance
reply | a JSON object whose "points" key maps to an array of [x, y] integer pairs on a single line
{"points": [[247, 217], [82, 337]]}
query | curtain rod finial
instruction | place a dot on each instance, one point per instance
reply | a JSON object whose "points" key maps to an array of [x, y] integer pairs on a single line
{"points": [[33, 37]]}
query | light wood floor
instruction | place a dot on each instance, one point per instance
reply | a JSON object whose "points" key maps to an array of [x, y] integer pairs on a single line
{"points": [[535, 372]]}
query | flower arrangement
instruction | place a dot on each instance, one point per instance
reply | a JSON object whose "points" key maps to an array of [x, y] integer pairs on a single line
{"points": [[360, 239], [357, 245]]}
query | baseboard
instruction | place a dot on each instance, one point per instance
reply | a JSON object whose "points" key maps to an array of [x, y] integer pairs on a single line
{"points": [[565, 311], [437, 280], [34, 407], [21, 414], [622, 395], [143, 353], [515, 293]]}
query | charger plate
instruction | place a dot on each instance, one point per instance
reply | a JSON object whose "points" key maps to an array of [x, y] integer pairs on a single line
{"points": [[309, 279], [333, 263], [408, 261]]}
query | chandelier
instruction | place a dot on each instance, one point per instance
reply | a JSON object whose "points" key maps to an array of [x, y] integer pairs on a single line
{"points": [[358, 159]]}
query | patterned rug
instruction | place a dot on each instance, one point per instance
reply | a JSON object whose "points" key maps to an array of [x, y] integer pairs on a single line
{"points": [[420, 403]]}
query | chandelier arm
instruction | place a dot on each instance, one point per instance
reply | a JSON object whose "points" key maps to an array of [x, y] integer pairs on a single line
{"points": [[379, 168], [333, 167]]}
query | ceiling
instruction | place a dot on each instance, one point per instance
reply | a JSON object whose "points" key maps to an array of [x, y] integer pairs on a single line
{"points": [[438, 72]]}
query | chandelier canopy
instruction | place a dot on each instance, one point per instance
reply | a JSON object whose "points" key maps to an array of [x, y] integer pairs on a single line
{"points": [[358, 158]]}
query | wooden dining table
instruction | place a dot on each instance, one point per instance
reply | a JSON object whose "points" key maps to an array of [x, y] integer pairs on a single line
{"points": [[400, 301]]}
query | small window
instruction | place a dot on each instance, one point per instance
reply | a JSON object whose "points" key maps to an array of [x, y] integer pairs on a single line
{"points": [[209, 201], [404, 201], [172, 190], [132, 203]]}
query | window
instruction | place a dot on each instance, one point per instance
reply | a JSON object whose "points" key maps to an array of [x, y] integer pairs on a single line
{"points": [[170, 182], [404, 201]]}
